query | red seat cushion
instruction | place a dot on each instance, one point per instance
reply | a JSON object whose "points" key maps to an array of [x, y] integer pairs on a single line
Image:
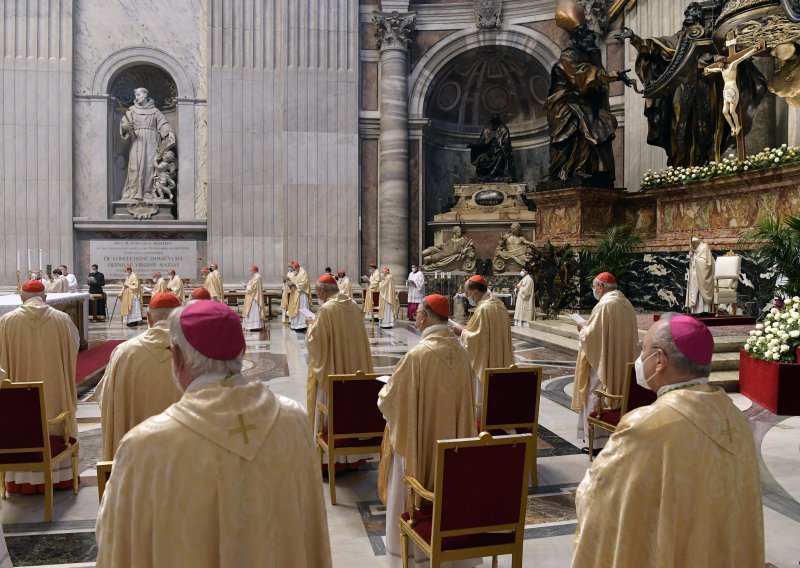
{"points": [[353, 442], [423, 528], [610, 416], [57, 446]]}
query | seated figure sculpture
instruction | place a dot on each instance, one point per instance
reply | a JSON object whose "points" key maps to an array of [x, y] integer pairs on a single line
{"points": [[491, 155], [513, 251], [449, 254]]}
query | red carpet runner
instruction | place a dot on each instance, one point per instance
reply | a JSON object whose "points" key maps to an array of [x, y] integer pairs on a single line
{"points": [[95, 358]]}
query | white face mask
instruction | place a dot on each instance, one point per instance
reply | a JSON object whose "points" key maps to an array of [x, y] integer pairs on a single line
{"points": [[638, 365], [522, 273], [595, 294]]}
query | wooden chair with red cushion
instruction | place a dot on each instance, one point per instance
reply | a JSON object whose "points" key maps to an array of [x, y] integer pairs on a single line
{"points": [[511, 403], [479, 498], [633, 396], [355, 424], [24, 441]]}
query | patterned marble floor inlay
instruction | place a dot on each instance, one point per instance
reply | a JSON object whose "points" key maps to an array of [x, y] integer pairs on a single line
{"points": [[357, 523], [550, 512]]}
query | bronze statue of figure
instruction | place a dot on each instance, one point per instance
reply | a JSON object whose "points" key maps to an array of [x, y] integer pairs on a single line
{"points": [[578, 114], [491, 154], [684, 111]]}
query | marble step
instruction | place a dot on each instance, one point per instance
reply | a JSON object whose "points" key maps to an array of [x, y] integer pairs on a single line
{"points": [[728, 380], [558, 335]]}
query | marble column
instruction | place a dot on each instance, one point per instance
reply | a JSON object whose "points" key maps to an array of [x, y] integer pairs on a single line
{"points": [[393, 31]]}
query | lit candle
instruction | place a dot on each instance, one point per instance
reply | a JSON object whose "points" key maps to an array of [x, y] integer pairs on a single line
{"points": [[29, 260]]}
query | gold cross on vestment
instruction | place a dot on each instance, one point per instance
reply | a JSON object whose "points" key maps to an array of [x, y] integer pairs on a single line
{"points": [[729, 431], [242, 429]]}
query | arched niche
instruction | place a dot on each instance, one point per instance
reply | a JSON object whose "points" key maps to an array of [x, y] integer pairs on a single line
{"points": [[162, 89], [115, 71], [458, 86]]}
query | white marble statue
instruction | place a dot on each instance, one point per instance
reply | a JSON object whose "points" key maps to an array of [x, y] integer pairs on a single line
{"points": [[151, 136], [728, 67]]}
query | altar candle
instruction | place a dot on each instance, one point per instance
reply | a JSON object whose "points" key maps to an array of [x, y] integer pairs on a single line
{"points": [[17, 260], [29, 259], [40, 259]]}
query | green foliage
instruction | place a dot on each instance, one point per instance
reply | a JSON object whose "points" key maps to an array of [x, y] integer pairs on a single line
{"points": [[611, 252], [778, 245]]}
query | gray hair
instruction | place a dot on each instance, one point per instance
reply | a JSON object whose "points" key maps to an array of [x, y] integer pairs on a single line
{"points": [[25, 296], [430, 313], [662, 339], [607, 285], [160, 314], [198, 363], [329, 288]]}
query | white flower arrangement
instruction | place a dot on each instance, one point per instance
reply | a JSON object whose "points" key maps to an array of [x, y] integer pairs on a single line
{"points": [[767, 158], [778, 337]]}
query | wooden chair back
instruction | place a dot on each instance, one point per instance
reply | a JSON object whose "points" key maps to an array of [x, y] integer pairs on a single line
{"points": [[511, 399], [23, 424], [25, 441], [480, 499], [103, 475], [355, 424]]}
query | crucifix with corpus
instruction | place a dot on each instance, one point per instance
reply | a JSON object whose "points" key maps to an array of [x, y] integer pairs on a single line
{"points": [[727, 66]]}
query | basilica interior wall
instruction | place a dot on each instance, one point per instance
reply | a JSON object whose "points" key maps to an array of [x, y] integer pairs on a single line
{"points": [[283, 135], [35, 134]]}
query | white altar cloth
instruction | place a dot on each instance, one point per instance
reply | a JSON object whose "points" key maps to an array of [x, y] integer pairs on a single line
{"points": [[10, 302]]}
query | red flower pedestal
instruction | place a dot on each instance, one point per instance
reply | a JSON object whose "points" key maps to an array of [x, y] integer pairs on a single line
{"points": [[775, 386]]}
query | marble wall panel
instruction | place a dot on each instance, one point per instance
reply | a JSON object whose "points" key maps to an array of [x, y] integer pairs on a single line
{"points": [[414, 193], [559, 219], [422, 41], [368, 38], [656, 282], [369, 202], [36, 59], [369, 85], [551, 30], [283, 135]]}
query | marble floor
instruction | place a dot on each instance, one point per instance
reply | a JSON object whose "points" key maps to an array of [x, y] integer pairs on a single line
{"points": [[357, 524]]}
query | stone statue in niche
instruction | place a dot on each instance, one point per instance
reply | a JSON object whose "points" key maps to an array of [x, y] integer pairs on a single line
{"points": [[579, 116], [491, 154], [151, 137], [450, 255], [513, 251]]}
